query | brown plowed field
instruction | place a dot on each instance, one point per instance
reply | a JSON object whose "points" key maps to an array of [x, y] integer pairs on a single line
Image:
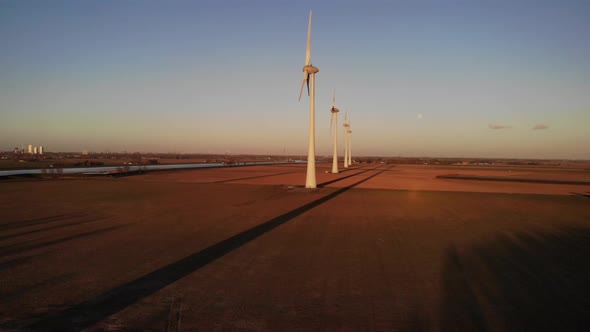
{"points": [[376, 247]]}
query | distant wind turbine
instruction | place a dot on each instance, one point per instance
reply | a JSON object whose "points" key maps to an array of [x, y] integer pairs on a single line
{"points": [[334, 123], [346, 125], [309, 72], [349, 144]]}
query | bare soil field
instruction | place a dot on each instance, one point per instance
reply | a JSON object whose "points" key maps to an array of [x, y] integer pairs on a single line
{"points": [[248, 248], [401, 177]]}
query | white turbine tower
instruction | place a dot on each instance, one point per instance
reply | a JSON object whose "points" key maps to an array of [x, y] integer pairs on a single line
{"points": [[309, 72], [349, 132], [346, 125], [334, 123]]}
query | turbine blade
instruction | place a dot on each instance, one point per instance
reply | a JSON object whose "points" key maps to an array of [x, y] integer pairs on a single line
{"points": [[302, 84], [334, 98], [307, 80], [308, 50]]}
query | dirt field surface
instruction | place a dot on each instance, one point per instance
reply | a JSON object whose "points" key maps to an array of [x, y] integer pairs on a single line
{"points": [[377, 247], [403, 177]]}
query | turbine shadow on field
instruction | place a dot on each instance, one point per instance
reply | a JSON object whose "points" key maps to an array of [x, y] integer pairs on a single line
{"points": [[18, 249], [38, 221], [351, 169], [524, 282], [253, 177], [587, 195], [94, 310], [52, 227], [323, 184]]}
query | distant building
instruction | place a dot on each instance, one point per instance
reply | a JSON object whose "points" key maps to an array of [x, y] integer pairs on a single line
{"points": [[84, 152], [34, 150], [41, 149], [29, 148]]}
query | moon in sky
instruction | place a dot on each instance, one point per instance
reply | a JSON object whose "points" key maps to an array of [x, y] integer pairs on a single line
{"points": [[419, 116]]}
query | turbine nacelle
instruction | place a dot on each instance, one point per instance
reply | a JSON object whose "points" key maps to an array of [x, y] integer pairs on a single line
{"points": [[310, 69], [334, 110], [307, 70]]}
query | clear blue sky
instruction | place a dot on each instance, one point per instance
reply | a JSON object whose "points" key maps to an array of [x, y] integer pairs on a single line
{"points": [[421, 78]]}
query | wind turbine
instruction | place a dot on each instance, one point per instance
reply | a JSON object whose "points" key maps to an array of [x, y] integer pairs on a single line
{"points": [[309, 72], [334, 123], [346, 125], [349, 132]]}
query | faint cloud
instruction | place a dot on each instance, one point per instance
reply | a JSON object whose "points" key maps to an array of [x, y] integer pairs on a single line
{"points": [[496, 126], [540, 126]]}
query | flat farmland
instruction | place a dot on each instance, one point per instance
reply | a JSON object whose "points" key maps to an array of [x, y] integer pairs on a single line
{"points": [[376, 247], [400, 177]]}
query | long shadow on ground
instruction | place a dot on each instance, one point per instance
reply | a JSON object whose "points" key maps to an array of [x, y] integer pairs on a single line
{"points": [[38, 221], [19, 248], [524, 282], [323, 184], [253, 177], [42, 230], [351, 168], [94, 310]]}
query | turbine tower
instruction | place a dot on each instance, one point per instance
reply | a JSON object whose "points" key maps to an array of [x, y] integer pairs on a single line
{"points": [[309, 72], [346, 125], [349, 132], [334, 123]]}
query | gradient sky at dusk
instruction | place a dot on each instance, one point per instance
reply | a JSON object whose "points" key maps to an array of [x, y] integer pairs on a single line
{"points": [[421, 78]]}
